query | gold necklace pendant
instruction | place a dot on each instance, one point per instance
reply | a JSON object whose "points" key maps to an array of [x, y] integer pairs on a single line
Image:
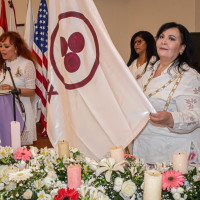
{"points": [[164, 86]]}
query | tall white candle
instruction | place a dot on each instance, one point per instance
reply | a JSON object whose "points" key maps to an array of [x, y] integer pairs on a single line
{"points": [[117, 153], [63, 148], [180, 162], [15, 135], [152, 185]]}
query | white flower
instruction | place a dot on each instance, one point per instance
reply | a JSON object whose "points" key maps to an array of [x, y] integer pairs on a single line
{"points": [[21, 165], [133, 197], [198, 169], [48, 181], [1, 186], [20, 176], [53, 193], [43, 196], [73, 150], [83, 190], [10, 186], [102, 196], [133, 170], [108, 164], [118, 181], [118, 184], [53, 152], [60, 185], [180, 190], [44, 151], [93, 192], [92, 163], [11, 169], [196, 177], [173, 190], [185, 196], [128, 189], [38, 184], [3, 153], [176, 196], [2, 170], [117, 188], [27, 194], [91, 181], [34, 150], [52, 174], [101, 189], [49, 167]]}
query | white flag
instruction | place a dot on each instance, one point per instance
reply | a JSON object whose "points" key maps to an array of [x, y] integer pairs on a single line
{"points": [[93, 100], [13, 23], [29, 26]]}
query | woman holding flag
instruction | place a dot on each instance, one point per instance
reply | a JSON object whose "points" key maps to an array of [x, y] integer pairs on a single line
{"points": [[173, 88]]}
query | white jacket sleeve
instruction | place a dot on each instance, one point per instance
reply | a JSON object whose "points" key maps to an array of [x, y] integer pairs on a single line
{"points": [[187, 116]]}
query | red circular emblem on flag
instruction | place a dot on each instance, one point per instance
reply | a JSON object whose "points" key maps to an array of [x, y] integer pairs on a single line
{"points": [[70, 49]]}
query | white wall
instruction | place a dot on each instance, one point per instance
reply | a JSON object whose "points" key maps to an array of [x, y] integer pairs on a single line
{"points": [[125, 17]]}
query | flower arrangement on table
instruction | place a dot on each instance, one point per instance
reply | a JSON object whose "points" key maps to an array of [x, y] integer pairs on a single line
{"points": [[41, 174]]}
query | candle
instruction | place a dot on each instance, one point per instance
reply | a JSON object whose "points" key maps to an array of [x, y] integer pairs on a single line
{"points": [[117, 153], [180, 162], [15, 135], [74, 176], [152, 185], [63, 148]]}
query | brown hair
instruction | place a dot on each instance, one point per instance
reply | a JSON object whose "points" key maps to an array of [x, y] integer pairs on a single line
{"points": [[20, 45]]}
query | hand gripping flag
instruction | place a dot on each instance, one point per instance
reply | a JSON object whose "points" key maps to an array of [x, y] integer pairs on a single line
{"points": [[93, 100]]}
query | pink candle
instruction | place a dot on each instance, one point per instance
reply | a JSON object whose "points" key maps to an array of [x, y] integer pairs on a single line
{"points": [[117, 153], [74, 176]]}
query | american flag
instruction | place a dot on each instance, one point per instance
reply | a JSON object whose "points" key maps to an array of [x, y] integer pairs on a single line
{"points": [[40, 50]]}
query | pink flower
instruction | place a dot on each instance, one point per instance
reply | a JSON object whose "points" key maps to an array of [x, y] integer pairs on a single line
{"points": [[23, 154], [172, 179]]}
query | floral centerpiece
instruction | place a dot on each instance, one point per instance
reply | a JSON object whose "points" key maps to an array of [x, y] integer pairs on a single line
{"points": [[40, 174]]}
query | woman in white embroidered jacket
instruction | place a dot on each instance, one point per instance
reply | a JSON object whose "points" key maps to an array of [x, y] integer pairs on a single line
{"points": [[143, 51], [15, 53], [173, 88]]}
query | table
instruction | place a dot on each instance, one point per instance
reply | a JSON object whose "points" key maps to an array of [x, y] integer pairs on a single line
{"points": [[6, 116]]}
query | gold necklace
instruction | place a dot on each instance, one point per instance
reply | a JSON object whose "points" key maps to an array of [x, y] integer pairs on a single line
{"points": [[164, 86]]}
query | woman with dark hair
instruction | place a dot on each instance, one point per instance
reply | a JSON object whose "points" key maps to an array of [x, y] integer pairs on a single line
{"points": [[15, 53], [143, 47], [173, 88]]}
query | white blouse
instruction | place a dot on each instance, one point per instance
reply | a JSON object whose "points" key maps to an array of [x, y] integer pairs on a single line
{"points": [[137, 72], [24, 75], [157, 143]]}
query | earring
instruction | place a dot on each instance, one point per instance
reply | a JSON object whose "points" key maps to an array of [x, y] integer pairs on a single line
{"points": [[181, 53]]}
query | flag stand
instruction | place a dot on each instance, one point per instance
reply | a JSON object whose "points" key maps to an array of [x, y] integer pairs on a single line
{"points": [[15, 93]]}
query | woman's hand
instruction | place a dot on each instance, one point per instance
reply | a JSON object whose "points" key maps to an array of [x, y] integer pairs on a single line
{"points": [[163, 118], [6, 87]]}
